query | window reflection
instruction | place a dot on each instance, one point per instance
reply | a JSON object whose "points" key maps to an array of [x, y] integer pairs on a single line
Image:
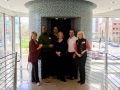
{"points": [[8, 33], [1, 32], [17, 39]]}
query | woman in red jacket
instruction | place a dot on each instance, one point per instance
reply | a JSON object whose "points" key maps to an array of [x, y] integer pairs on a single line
{"points": [[34, 52]]}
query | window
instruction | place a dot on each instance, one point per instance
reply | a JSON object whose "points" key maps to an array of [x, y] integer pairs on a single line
{"points": [[113, 28], [116, 32], [17, 34], [1, 32], [114, 23], [8, 33], [113, 32]]}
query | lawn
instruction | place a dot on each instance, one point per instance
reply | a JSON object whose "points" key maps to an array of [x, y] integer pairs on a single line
{"points": [[25, 42]]}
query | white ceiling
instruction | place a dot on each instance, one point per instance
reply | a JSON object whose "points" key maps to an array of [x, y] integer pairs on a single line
{"points": [[103, 6]]}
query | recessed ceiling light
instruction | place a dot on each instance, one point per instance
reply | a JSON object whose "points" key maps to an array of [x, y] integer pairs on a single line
{"points": [[113, 2], [110, 8], [95, 12], [56, 18], [64, 18], [7, 0], [9, 6]]}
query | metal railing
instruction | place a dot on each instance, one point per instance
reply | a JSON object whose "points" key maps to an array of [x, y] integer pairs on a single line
{"points": [[8, 70], [103, 71]]}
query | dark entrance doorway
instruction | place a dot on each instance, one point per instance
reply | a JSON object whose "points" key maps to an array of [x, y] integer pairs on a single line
{"points": [[63, 25]]}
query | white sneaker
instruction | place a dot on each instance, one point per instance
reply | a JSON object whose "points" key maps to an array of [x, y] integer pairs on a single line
{"points": [[38, 83]]}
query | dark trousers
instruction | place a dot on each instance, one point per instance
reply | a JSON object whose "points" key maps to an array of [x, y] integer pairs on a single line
{"points": [[81, 65], [72, 65], [45, 64], [35, 77], [61, 68], [53, 64]]}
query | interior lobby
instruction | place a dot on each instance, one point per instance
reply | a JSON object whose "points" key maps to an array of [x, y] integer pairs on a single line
{"points": [[100, 21]]}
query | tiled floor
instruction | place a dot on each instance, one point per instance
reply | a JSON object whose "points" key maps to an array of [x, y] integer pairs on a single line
{"points": [[54, 85]]}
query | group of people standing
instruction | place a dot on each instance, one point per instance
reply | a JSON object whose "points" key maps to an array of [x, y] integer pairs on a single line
{"points": [[58, 56]]}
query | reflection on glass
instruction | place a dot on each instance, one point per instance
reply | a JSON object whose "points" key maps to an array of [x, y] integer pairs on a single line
{"points": [[8, 33], [24, 34], [1, 32], [98, 38], [24, 40], [114, 37], [113, 56], [97, 63], [17, 39]]}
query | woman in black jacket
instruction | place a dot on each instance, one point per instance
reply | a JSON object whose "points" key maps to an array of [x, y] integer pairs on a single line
{"points": [[61, 48], [81, 48]]}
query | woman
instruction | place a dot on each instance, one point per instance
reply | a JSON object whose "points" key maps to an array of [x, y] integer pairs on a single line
{"points": [[34, 52], [60, 50], [81, 48]]}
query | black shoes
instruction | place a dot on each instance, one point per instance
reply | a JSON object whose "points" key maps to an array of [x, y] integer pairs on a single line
{"points": [[63, 80], [81, 82], [71, 78]]}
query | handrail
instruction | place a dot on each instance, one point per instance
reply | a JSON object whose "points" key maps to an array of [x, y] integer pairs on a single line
{"points": [[8, 69], [113, 56], [98, 72]]}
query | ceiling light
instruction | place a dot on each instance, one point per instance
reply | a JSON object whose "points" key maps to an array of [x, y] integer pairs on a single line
{"points": [[110, 8], [56, 18], [113, 2], [9, 6], [7, 0], [64, 18]]}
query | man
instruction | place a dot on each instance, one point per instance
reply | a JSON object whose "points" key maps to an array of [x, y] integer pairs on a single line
{"points": [[45, 53], [71, 54], [54, 38]]}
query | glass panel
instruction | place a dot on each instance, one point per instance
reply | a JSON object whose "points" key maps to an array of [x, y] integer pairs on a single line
{"points": [[8, 33], [114, 37], [25, 44], [114, 54], [1, 32], [17, 39], [97, 64], [25, 34]]}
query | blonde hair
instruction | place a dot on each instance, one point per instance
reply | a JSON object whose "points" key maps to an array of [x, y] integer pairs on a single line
{"points": [[61, 34], [81, 33], [33, 33]]}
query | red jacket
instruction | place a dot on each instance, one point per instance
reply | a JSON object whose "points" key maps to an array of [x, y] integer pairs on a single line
{"points": [[33, 52]]}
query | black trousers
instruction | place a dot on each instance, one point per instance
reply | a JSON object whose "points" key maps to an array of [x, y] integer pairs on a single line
{"points": [[45, 64], [61, 67], [81, 65], [35, 77], [53, 64], [72, 65]]}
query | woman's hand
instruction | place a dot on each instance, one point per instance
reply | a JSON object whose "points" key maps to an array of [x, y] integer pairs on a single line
{"points": [[58, 53], [79, 55], [74, 56], [40, 46], [83, 52]]}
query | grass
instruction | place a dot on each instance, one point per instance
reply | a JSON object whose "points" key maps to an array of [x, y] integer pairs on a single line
{"points": [[25, 42]]}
